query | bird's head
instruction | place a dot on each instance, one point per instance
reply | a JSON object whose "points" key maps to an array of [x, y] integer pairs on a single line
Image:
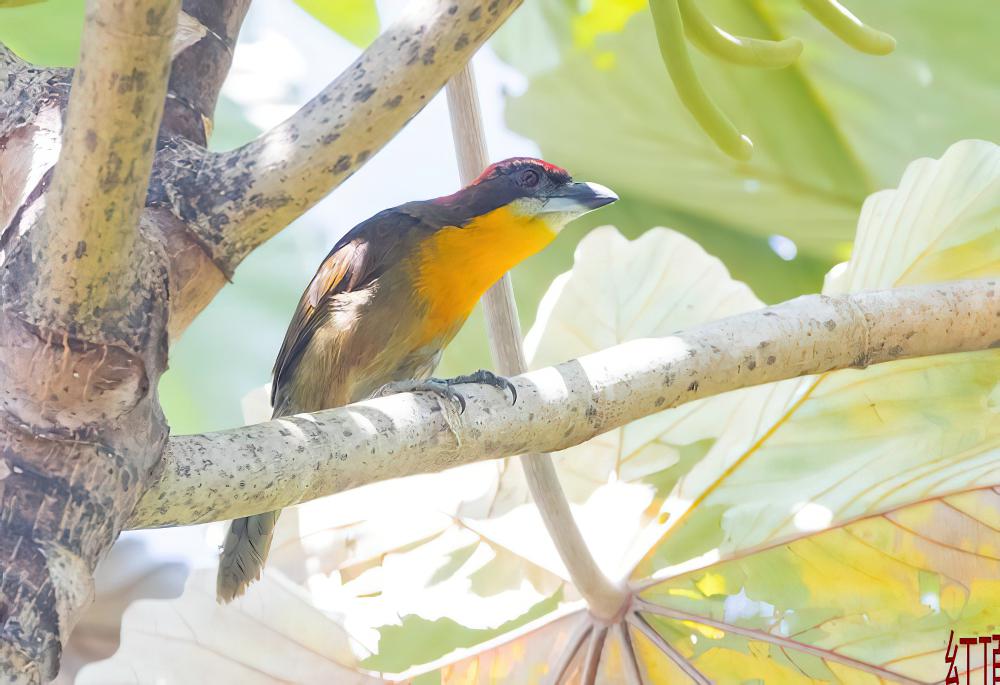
{"points": [[512, 211], [527, 189]]}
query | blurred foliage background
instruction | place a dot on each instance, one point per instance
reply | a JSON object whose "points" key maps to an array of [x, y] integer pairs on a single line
{"points": [[591, 93]]}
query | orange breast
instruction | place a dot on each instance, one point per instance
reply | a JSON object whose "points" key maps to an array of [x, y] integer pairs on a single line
{"points": [[457, 265]]}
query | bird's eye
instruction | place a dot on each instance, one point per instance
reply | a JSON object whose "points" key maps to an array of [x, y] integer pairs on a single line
{"points": [[528, 178]]}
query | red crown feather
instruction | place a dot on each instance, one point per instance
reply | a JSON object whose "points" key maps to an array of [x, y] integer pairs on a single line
{"points": [[506, 165]]}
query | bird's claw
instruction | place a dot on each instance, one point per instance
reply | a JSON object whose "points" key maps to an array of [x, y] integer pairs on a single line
{"points": [[485, 377], [442, 387]]}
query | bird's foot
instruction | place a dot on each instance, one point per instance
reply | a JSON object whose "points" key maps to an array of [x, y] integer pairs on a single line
{"points": [[485, 377], [437, 386], [442, 387]]}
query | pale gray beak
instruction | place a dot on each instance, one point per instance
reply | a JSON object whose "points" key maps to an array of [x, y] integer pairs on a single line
{"points": [[579, 198]]}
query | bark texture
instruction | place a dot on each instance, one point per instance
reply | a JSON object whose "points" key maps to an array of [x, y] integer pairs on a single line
{"points": [[82, 330], [280, 463]]}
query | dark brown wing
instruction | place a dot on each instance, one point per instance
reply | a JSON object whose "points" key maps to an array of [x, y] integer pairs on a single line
{"points": [[354, 263]]}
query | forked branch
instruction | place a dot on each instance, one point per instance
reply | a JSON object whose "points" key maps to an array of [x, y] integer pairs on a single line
{"points": [[237, 200]]}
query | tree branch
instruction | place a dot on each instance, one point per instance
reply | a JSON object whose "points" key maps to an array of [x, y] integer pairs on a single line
{"points": [[280, 463], [198, 70], [235, 201], [84, 246], [31, 100]]}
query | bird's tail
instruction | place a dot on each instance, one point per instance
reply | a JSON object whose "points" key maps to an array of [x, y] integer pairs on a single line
{"points": [[244, 553]]}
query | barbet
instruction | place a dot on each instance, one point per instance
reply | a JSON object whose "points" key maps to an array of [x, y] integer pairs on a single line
{"points": [[392, 294]]}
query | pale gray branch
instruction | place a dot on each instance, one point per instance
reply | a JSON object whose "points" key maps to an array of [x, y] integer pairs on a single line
{"points": [[280, 463], [237, 200], [84, 246]]}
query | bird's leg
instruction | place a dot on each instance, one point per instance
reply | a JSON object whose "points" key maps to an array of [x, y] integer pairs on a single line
{"points": [[442, 387], [438, 387]]}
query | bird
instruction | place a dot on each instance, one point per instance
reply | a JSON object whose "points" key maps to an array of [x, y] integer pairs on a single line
{"points": [[390, 296]]}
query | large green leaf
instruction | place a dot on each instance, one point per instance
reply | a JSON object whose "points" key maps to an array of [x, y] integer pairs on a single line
{"points": [[828, 527], [867, 603], [878, 594], [881, 457], [852, 442], [828, 131]]}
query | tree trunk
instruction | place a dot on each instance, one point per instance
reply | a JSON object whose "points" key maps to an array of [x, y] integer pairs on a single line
{"points": [[83, 323]]}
